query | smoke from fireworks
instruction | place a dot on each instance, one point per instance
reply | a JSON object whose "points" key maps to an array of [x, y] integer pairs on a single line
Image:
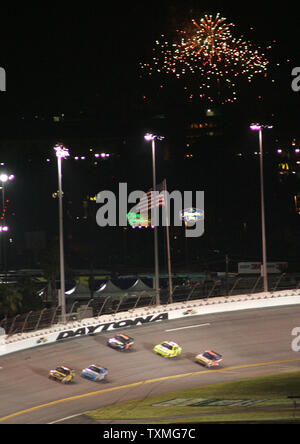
{"points": [[210, 57]]}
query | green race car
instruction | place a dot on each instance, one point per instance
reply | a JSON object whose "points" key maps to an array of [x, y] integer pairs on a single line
{"points": [[167, 349]]}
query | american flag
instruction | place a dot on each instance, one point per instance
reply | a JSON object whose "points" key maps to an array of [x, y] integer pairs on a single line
{"points": [[151, 200]]}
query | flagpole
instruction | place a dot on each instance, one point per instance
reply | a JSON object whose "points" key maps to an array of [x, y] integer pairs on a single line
{"points": [[168, 244]]}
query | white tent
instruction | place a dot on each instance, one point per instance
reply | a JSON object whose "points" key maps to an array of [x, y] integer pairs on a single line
{"points": [[139, 286], [81, 292], [109, 289]]}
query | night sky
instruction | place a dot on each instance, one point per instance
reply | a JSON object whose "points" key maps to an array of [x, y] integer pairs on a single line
{"points": [[63, 58], [82, 59]]}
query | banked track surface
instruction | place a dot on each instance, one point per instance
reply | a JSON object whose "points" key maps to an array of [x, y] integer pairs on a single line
{"points": [[252, 342]]}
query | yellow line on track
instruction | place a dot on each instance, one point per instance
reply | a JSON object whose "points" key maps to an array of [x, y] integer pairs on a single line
{"points": [[136, 384]]}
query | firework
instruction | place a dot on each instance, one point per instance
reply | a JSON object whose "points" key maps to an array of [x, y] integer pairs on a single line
{"points": [[209, 57]]}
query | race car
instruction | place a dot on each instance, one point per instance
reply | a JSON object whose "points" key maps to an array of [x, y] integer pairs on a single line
{"points": [[209, 358], [94, 372], [62, 374], [167, 349], [120, 342]]}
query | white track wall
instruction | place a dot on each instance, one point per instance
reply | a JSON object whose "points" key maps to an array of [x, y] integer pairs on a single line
{"points": [[59, 332]]}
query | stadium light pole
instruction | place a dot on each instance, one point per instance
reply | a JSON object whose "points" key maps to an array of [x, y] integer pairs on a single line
{"points": [[4, 178], [151, 138], [61, 153], [258, 127]]}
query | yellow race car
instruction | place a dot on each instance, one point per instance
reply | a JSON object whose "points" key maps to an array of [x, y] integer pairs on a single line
{"points": [[167, 349], [62, 374]]}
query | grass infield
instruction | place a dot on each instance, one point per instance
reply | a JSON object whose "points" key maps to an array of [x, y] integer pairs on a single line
{"points": [[267, 399]]}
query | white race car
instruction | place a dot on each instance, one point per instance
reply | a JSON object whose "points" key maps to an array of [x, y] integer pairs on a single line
{"points": [[209, 358]]}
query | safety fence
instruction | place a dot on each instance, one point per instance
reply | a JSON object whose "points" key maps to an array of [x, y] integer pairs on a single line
{"points": [[116, 303]]}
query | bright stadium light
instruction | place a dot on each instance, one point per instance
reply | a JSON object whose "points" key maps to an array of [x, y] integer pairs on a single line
{"points": [[149, 137], [258, 126], [61, 151]]}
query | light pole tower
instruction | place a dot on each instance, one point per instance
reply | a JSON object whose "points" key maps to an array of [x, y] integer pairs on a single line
{"points": [[151, 137], [61, 153], [258, 127], [4, 178]]}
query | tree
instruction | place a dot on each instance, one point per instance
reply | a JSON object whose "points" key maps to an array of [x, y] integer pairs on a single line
{"points": [[50, 266], [10, 300], [30, 299]]}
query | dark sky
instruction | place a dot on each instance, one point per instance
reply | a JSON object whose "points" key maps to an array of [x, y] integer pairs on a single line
{"points": [[57, 55], [71, 56]]}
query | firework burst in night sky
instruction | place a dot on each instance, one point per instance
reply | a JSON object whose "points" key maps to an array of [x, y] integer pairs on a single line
{"points": [[210, 60]]}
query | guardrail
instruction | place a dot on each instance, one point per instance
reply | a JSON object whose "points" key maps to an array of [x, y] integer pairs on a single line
{"points": [[97, 306]]}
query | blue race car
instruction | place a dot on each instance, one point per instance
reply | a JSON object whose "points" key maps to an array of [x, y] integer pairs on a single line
{"points": [[94, 372]]}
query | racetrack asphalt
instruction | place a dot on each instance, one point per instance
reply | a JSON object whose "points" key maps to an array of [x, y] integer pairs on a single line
{"points": [[253, 343]]}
